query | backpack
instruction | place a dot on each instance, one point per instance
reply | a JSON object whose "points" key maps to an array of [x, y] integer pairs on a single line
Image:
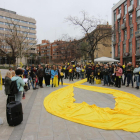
{"points": [[13, 88]]}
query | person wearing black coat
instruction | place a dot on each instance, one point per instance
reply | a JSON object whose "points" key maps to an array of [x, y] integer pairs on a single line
{"points": [[88, 72]]}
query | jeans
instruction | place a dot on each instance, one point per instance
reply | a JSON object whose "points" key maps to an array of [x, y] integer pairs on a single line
{"points": [[82, 75], [129, 77], [18, 96], [137, 80], [105, 77], [30, 80]]}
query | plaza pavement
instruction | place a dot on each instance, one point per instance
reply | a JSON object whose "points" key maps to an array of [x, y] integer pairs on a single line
{"points": [[38, 124]]}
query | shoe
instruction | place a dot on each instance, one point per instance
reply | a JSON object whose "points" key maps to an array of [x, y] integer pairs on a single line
{"points": [[34, 88], [23, 97], [127, 86], [132, 87], [41, 86]]}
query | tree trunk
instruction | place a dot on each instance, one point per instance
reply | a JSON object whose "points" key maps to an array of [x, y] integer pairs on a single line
{"points": [[92, 57]]}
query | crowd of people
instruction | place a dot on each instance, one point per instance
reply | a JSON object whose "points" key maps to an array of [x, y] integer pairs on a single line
{"points": [[111, 74]]}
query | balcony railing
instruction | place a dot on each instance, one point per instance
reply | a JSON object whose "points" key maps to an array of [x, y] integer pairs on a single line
{"points": [[123, 26], [118, 16], [137, 33], [130, 8]]}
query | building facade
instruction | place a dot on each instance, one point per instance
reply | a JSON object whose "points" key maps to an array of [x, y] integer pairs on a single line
{"points": [[44, 52], [126, 39], [24, 26]]}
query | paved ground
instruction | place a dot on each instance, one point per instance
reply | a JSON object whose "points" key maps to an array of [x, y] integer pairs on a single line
{"points": [[38, 124]]}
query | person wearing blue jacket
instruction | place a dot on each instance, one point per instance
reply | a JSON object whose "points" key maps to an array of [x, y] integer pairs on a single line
{"points": [[20, 84], [136, 72], [54, 72]]}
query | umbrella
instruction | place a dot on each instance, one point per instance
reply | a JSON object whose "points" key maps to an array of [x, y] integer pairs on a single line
{"points": [[105, 59]]}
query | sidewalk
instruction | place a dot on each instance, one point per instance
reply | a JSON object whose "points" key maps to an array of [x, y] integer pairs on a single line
{"points": [[38, 124]]}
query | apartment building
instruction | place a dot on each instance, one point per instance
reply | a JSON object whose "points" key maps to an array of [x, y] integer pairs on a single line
{"points": [[24, 25], [44, 52], [126, 40]]}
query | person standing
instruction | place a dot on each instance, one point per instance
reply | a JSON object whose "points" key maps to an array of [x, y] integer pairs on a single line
{"points": [[105, 75], [119, 76], [78, 69], [7, 84], [129, 70], [70, 74], [20, 84], [47, 75], [54, 76], [40, 74], [60, 75], [136, 74]]}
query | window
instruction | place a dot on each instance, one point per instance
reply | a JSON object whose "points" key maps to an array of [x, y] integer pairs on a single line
{"points": [[1, 17], [31, 34], [18, 26], [114, 16], [125, 9], [17, 20], [24, 22], [24, 27], [138, 27], [119, 37], [124, 20], [125, 34], [24, 32], [138, 14], [118, 49], [119, 10], [7, 29], [1, 28], [131, 32], [31, 23], [124, 48], [8, 18], [138, 2], [118, 25], [137, 45], [31, 38], [31, 28], [131, 2], [130, 47], [1, 22], [130, 19]]}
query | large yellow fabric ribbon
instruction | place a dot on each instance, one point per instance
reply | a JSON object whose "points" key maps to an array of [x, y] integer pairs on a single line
{"points": [[125, 115]]}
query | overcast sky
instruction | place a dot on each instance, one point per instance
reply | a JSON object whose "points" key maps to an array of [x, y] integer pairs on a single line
{"points": [[50, 14]]}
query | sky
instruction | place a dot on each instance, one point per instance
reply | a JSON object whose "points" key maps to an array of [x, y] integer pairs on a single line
{"points": [[50, 14]]}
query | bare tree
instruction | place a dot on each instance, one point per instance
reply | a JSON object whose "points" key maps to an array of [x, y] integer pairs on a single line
{"points": [[67, 49], [14, 42], [94, 33]]}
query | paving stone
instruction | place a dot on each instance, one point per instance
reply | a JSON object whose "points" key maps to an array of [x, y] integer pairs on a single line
{"points": [[63, 135], [31, 136], [30, 128], [129, 137], [110, 135]]}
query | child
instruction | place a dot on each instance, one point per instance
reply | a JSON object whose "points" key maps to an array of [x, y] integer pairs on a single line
{"points": [[36, 82], [92, 78]]}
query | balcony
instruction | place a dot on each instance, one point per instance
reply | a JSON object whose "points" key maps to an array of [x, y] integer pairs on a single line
{"points": [[130, 8], [118, 16], [137, 33], [123, 26]]}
